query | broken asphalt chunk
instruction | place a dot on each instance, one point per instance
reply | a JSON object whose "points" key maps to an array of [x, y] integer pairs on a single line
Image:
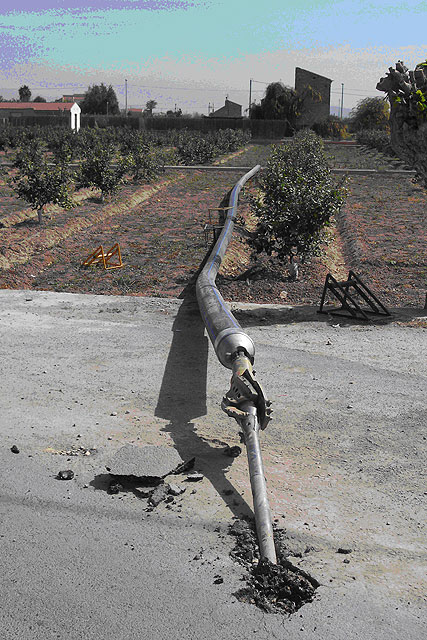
{"points": [[148, 462], [194, 476], [65, 475], [176, 489], [186, 466], [159, 494]]}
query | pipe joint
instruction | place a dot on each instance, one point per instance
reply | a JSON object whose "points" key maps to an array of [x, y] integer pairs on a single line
{"points": [[229, 341]]}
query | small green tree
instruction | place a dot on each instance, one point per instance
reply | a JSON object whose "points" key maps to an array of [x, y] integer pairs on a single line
{"points": [[24, 93], [96, 170], [370, 113], [40, 184], [141, 160], [39, 99], [296, 201]]}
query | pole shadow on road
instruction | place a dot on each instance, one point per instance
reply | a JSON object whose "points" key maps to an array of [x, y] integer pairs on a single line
{"points": [[182, 398]]}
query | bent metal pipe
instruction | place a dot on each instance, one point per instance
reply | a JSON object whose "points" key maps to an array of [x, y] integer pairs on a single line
{"points": [[245, 401]]}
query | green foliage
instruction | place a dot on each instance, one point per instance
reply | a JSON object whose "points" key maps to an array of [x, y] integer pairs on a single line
{"points": [[100, 99], [29, 154], [376, 139], [297, 199], [149, 106], [196, 148], [24, 93], [96, 170], [283, 103], [331, 127], [407, 93], [142, 162], [64, 145], [38, 183], [39, 99], [371, 113]]}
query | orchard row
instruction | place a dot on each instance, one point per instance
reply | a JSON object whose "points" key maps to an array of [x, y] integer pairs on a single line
{"points": [[102, 159], [181, 147]]}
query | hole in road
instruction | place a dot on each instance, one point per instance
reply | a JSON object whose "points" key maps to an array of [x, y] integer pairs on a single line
{"points": [[280, 588]]}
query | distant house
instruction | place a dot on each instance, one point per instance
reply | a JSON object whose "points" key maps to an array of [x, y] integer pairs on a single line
{"points": [[74, 97], [134, 112], [229, 110], [314, 111], [9, 110]]}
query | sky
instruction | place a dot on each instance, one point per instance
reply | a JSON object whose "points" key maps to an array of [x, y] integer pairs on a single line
{"points": [[195, 53]]}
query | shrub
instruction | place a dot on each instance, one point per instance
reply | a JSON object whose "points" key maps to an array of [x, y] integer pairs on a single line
{"points": [[371, 113], [96, 170], [193, 149], [142, 162], [331, 127], [196, 148], [376, 139], [297, 199], [64, 145]]}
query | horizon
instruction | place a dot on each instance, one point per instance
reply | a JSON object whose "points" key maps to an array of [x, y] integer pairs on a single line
{"points": [[194, 53]]}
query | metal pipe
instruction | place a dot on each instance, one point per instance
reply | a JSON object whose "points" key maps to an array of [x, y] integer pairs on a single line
{"points": [[225, 333], [262, 512], [245, 401]]}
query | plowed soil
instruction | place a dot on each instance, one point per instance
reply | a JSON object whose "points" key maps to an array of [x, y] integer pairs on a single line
{"points": [[381, 234]]}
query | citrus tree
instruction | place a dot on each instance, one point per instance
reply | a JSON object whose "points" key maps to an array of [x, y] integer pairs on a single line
{"points": [[140, 158], [296, 201], [39, 183], [98, 171]]}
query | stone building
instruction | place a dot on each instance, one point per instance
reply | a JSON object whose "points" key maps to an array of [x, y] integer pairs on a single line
{"points": [[314, 111], [229, 110]]}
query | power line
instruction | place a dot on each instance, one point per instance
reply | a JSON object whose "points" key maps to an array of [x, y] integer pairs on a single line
{"points": [[138, 86]]}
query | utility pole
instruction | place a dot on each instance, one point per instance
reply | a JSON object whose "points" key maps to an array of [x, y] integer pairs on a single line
{"points": [[342, 96], [126, 97], [250, 97]]}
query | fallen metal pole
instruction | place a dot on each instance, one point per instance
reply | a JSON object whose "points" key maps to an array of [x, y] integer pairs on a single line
{"points": [[262, 512], [245, 401]]}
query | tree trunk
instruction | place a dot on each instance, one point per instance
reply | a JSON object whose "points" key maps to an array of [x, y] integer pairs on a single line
{"points": [[39, 214]]}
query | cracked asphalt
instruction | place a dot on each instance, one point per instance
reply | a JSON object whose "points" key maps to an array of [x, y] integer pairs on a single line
{"points": [[344, 459]]}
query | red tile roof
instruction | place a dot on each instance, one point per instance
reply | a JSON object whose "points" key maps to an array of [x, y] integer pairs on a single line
{"points": [[38, 106]]}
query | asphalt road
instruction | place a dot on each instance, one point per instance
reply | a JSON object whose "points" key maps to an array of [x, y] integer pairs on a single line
{"points": [[344, 458]]}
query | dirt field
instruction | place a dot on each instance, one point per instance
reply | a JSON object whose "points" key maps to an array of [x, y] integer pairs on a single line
{"points": [[381, 233]]}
